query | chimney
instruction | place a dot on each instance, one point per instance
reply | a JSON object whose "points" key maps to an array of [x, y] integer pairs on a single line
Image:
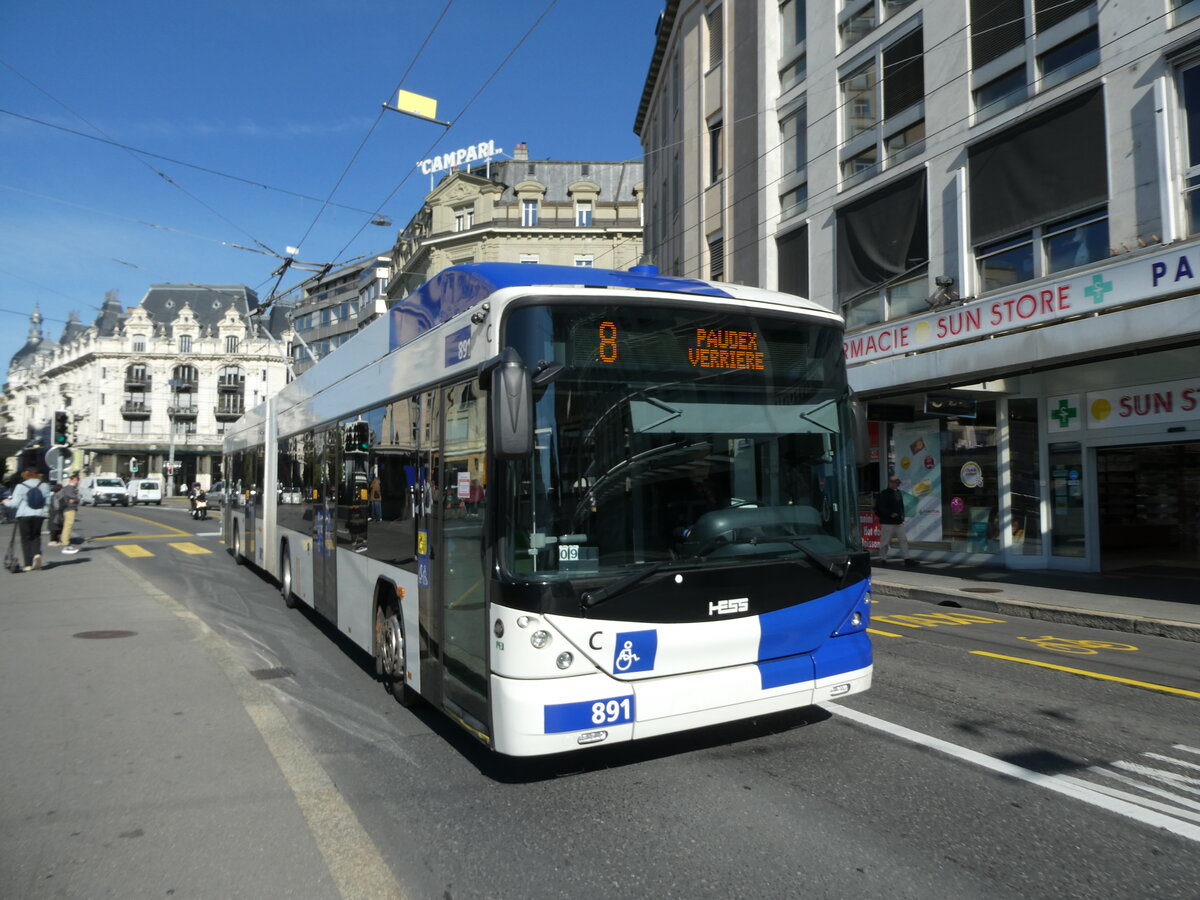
{"points": [[521, 151]]}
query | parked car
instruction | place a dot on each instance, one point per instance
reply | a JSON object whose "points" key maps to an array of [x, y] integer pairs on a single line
{"points": [[97, 489], [145, 490]]}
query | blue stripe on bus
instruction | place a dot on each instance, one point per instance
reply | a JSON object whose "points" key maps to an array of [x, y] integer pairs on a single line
{"points": [[586, 714], [795, 645], [847, 653]]}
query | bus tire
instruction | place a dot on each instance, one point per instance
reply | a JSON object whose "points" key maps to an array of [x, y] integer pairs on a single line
{"points": [[285, 577], [237, 545], [390, 652]]}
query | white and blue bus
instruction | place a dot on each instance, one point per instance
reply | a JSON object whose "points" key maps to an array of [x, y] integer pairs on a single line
{"points": [[572, 507]]}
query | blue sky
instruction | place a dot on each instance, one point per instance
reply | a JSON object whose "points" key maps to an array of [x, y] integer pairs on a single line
{"points": [[283, 95]]}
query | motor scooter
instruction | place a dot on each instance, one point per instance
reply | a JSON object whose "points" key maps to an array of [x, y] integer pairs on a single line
{"points": [[200, 509]]}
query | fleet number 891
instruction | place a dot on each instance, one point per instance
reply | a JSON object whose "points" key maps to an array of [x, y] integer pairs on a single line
{"points": [[610, 712]]}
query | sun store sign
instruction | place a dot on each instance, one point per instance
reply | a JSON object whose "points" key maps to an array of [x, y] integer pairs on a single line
{"points": [[1153, 275], [1147, 404]]}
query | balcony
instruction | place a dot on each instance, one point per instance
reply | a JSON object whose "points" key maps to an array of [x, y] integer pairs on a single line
{"points": [[228, 412], [183, 411], [137, 382], [231, 385], [135, 409]]}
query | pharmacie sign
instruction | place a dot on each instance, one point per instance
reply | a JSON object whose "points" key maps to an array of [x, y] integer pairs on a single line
{"points": [[460, 157], [1154, 275], [1146, 404]]}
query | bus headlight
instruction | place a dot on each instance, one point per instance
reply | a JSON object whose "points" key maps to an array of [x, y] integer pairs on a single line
{"points": [[540, 639], [565, 659], [855, 619], [524, 621]]}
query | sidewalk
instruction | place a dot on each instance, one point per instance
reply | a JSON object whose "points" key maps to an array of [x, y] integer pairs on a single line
{"points": [[134, 761], [1135, 601]]}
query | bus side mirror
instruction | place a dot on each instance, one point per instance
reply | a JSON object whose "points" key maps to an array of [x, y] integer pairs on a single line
{"points": [[862, 435], [511, 407]]}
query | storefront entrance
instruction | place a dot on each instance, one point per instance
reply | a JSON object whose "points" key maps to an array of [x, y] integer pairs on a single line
{"points": [[1149, 505]]}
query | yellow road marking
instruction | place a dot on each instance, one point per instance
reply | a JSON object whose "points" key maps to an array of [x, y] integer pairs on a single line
{"points": [[136, 537], [132, 550], [175, 531], [933, 620], [189, 547], [1143, 684], [884, 633]]}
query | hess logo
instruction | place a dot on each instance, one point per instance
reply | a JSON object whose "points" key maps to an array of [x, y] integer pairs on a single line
{"points": [[729, 607]]}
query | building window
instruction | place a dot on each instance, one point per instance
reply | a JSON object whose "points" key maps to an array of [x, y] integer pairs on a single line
{"points": [[1189, 89], [792, 250], [1039, 194], [529, 258], [1185, 10], [885, 109], [793, 129], [716, 156], [716, 258], [793, 202], [882, 253], [583, 213], [231, 344], [858, 18], [792, 47], [584, 261], [135, 426], [1003, 46], [139, 344], [464, 218], [185, 343], [529, 212], [716, 36]]}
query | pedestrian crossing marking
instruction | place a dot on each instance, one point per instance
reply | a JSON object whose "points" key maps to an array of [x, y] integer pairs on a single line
{"points": [[132, 550], [189, 548]]}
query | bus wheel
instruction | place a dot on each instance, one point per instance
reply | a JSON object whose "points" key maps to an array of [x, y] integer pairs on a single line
{"points": [[390, 654], [285, 578], [237, 545]]}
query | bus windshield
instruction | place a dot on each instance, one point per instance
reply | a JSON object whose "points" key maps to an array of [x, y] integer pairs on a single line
{"points": [[678, 436]]}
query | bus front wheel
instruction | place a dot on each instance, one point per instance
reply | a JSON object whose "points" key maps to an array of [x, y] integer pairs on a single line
{"points": [[390, 653], [285, 578], [237, 545]]}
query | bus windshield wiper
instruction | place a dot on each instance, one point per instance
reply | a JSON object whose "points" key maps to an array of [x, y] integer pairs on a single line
{"points": [[830, 566], [610, 590]]}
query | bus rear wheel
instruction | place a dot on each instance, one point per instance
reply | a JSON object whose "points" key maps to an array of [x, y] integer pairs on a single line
{"points": [[390, 651], [237, 545], [285, 578]]}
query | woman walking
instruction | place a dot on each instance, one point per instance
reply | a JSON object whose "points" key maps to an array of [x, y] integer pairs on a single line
{"points": [[30, 499]]}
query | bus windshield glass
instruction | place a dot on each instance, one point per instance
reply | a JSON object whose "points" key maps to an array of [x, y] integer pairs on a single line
{"points": [[678, 436]]}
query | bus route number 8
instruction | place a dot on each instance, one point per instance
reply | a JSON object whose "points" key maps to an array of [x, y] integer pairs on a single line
{"points": [[608, 342]]}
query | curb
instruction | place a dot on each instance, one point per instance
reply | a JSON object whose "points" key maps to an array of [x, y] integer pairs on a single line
{"points": [[1180, 631]]}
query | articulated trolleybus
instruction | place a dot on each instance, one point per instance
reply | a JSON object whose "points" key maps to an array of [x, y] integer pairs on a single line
{"points": [[572, 507]]}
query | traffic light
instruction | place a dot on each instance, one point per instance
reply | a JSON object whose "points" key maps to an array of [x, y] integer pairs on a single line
{"points": [[358, 437], [62, 429]]}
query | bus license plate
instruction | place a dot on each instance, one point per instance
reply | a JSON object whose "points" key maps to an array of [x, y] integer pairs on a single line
{"points": [[586, 714]]}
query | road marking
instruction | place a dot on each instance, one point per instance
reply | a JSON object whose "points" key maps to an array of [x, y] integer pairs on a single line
{"points": [[1044, 665], [189, 548], [933, 620], [1061, 784], [208, 534], [884, 633], [353, 860], [132, 550], [177, 532]]}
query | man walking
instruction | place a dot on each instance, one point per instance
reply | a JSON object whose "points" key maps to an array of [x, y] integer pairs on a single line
{"points": [[889, 506], [68, 501]]}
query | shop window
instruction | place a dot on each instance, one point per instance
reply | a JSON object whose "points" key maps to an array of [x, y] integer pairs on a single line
{"points": [[882, 248], [1067, 537], [1025, 502], [1039, 192]]}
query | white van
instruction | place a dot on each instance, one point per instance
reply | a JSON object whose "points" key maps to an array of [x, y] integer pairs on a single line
{"points": [[144, 490], [97, 489]]}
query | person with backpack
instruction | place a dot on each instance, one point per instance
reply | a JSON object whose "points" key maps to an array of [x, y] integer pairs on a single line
{"points": [[30, 499]]}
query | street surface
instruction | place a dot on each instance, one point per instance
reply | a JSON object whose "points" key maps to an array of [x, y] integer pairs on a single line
{"points": [[994, 757]]}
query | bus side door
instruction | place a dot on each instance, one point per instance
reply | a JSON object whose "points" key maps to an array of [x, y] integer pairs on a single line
{"points": [[324, 525]]}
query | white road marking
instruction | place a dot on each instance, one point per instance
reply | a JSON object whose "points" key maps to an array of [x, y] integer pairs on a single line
{"points": [[1060, 784]]}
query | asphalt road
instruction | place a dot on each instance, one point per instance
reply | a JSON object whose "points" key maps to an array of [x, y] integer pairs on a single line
{"points": [[994, 757]]}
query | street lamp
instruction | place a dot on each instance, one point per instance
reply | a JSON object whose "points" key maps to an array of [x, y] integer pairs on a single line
{"points": [[174, 384]]}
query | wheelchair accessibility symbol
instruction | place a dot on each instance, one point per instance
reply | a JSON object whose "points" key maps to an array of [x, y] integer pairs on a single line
{"points": [[635, 652]]}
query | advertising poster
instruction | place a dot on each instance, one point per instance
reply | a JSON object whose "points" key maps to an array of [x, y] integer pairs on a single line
{"points": [[919, 466]]}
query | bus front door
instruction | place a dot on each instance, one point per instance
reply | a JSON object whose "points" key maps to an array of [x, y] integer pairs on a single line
{"points": [[461, 564]]}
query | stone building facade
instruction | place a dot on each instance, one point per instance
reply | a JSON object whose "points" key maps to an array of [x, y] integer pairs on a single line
{"points": [[148, 385]]}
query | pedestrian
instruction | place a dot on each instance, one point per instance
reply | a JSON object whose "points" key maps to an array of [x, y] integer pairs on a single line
{"points": [[30, 499], [889, 506], [55, 519], [69, 503], [375, 499]]}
